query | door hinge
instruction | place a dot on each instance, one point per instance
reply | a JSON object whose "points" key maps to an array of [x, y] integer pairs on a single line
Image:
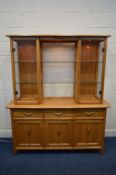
{"points": [[103, 49], [16, 92], [100, 92], [13, 49]]}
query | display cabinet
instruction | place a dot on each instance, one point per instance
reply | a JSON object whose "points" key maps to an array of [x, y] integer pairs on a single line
{"points": [[61, 78]]}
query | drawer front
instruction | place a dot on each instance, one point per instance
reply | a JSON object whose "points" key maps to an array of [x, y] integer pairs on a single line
{"points": [[27, 113], [90, 113], [59, 113]]}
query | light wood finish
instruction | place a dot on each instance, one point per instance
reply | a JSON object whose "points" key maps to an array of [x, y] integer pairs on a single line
{"points": [[28, 133], [13, 70], [87, 89], [28, 99], [26, 113], [58, 128], [88, 70], [103, 68], [89, 99], [76, 122], [58, 133], [89, 113], [39, 80], [59, 113], [77, 71], [56, 35], [27, 72], [27, 67], [88, 133], [66, 103]]}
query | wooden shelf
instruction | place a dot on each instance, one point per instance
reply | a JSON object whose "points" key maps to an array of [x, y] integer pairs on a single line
{"points": [[89, 100]]}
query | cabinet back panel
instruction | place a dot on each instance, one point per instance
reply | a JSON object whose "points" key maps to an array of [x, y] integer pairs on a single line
{"points": [[58, 69], [88, 68]]}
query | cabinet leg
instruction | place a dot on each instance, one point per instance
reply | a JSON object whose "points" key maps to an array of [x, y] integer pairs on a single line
{"points": [[102, 151], [14, 151]]}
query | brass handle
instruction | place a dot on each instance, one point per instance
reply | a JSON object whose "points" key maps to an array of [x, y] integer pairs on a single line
{"points": [[29, 133], [27, 114], [89, 113], [58, 132], [58, 113]]}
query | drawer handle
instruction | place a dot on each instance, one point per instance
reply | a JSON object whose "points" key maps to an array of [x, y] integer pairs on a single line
{"points": [[58, 113], [27, 114], [89, 113]]}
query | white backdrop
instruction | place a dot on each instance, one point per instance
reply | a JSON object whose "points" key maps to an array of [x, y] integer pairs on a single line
{"points": [[56, 17]]}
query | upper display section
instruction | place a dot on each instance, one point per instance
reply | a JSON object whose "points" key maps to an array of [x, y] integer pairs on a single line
{"points": [[58, 66]]}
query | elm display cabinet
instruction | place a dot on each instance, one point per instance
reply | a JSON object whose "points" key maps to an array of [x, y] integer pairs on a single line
{"points": [[58, 86]]}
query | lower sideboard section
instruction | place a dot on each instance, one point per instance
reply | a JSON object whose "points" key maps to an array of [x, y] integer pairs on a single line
{"points": [[57, 129]]}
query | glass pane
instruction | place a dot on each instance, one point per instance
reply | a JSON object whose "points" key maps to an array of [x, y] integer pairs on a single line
{"points": [[90, 72], [25, 69], [90, 92], [91, 63]]}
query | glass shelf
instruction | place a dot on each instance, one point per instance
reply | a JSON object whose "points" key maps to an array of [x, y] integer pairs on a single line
{"points": [[58, 82], [83, 82], [89, 82], [25, 61], [59, 62], [90, 62], [26, 83]]}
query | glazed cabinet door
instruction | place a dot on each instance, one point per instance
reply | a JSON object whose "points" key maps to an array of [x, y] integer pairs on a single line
{"points": [[58, 133], [90, 70], [28, 134], [26, 70], [88, 133]]}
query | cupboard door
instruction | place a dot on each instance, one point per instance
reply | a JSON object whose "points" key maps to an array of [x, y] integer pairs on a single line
{"points": [[28, 133], [95, 133], [65, 134], [58, 133], [88, 133], [51, 133]]}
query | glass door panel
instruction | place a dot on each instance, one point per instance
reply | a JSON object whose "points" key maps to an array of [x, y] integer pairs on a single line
{"points": [[91, 64], [25, 61]]}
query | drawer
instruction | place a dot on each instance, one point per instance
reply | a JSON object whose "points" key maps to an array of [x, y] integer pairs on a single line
{"points": [[59, 113], [27, 113], [90, 113]]}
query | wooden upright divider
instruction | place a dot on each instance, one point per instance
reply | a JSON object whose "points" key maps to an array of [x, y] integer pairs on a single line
{"points": [[77, 70], [39, 80], [103, 69], [13, 69]]}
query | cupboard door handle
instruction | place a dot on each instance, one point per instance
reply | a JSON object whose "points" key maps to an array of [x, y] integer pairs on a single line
{"points": [[27, 114], [89, 113], [58, 132], [29, 133], [58, 113]]}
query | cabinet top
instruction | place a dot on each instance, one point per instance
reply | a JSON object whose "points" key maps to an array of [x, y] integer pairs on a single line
{"points": [[57, 103], [56, 35]]}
